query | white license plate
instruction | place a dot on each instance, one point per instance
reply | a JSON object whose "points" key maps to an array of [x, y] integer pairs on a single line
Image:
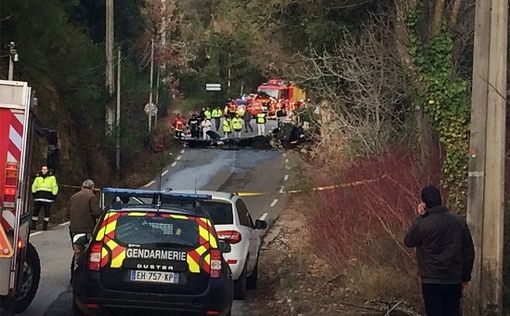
{"points": [[154, 276]]}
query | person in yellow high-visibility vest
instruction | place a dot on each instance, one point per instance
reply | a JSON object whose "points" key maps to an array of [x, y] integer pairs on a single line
{"points": [[227, 126], [44, 189], [237, 125], [261, 123], [216, 115]]}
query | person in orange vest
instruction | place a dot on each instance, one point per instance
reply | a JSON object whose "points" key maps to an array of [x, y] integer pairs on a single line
{"points": [[179, 125]]}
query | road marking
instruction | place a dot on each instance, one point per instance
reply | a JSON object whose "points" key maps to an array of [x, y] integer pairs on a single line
{"points": [[164, 172], [35, 234], [281, 189], [284, 154], [286, 177], [182, 151], [287, 167], [63, 224], [174, 163], [263, 217], [287, 160], [150, 183], [274, 202], [179, 158]]}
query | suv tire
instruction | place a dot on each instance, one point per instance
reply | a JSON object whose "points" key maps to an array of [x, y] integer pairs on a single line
{"points": [[240, 285]]}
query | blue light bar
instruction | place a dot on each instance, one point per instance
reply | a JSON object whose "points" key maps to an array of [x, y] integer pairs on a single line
{"points": [[151, 194]]}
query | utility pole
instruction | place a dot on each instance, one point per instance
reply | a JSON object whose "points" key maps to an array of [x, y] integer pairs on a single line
{"points": [[117, 160], [485, 213], [151, 82], [157, 95], [13, 57], [110, 112]]}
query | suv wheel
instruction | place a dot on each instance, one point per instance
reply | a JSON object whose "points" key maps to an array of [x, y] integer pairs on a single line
{"points": [[240, 285]]}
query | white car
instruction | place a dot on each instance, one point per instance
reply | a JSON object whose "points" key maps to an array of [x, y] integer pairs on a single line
{"points": [[234, 224]]}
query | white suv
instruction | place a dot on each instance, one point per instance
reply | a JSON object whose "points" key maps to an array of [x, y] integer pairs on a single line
{"points": [[234, 224]]}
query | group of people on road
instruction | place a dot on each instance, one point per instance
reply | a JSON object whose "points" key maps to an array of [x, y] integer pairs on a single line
{"points": [[232, 122]]}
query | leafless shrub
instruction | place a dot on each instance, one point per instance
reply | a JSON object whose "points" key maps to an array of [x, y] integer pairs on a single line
{"points": [[360, 86]]}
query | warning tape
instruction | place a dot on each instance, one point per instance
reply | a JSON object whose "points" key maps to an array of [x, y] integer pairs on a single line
{"points": [[316, 189]]}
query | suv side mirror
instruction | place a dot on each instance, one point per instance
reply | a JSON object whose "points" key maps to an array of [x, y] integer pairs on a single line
{"points": [[260, 224], [224, 246]]}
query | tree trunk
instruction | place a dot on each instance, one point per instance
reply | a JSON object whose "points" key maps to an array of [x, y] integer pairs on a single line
{"points": [[423, 127], [437, 18]]}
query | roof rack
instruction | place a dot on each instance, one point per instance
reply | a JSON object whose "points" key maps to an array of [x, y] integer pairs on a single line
{"points": [[153, 193], [157, 196]]}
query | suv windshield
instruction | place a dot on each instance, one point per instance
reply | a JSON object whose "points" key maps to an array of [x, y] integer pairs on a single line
{"points": [[220, 212], [156, 231]]}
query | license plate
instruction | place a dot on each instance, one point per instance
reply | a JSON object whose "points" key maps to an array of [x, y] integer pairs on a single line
{"points": [[154, 276]]}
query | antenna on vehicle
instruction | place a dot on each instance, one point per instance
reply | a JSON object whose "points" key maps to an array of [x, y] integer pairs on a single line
{"points": [[195, 185]]}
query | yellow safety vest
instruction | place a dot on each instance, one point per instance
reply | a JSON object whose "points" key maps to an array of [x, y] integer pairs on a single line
{"points": [[207, 114], [216, 113], [237, 124], [47, 184], [261, 118], [226, 126]]}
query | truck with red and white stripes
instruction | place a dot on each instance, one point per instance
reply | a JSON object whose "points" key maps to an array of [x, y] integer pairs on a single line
{"points": [[19, 262]]}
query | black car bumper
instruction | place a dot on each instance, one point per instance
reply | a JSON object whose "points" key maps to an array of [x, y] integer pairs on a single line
{"points": [[217, 298]]}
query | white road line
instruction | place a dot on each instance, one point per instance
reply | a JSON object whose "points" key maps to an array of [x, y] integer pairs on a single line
{"points": [[179, 158], [182, 151], [35, 234], [274, 202], [150, 183], [284, 154], [263, 217], [286, 177], [164, 173], [281, 189], [287, 160], [174, 163], [63, 224]]}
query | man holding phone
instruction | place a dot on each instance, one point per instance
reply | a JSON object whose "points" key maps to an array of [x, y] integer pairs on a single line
{"points": [[444, 252]]}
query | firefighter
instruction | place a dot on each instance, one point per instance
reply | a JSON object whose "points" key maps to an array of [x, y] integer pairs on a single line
{"points": [[83, 212], [194, 126], [179, 125], [216, 115], [44, 189], [227, 126], [261, 123], [237, 125]]}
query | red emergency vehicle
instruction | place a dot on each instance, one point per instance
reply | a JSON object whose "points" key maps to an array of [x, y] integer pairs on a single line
{"points": [[19, 262], [276, 94]]}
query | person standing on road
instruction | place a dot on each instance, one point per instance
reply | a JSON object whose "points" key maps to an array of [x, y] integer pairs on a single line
{"points": [[444, 252], [216, 115], [44, 189], [194, 126], [206, 126], [261, 124], [237, 125], [227, 126], [83, 212], [247, 121]]}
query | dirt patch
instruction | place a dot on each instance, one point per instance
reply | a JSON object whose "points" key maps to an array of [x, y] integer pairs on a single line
{"points": [[294, 280]]}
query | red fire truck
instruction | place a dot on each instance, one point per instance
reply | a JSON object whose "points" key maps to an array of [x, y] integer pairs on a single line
{"points": [[19, 262], [276, 94]]}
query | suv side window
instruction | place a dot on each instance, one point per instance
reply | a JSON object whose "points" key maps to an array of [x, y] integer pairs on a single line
{"points": [[244, 215]]}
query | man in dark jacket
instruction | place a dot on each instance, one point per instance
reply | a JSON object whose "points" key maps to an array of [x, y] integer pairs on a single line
{"points": [[445, 254], [84, 211]]}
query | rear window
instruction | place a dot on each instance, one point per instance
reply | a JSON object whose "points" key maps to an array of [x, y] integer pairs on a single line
{"points": [[156, 231], [220, 212]]}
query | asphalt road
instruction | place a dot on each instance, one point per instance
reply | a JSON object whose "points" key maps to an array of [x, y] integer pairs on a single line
{"points": [[231, 171]]}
